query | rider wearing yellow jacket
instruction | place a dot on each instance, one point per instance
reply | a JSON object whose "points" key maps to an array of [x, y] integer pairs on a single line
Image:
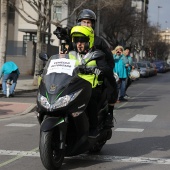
{"points": [[83, 44]]}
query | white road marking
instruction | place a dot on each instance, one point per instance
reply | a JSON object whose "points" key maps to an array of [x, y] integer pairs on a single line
{"points": [[19, 153], [129, 130], [109, 158], [143, 118], [123, 159], [21, 125]]}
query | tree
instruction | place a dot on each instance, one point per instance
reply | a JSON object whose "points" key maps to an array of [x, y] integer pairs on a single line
{"points": [[122, 24], [42, 9], [3, 30]]}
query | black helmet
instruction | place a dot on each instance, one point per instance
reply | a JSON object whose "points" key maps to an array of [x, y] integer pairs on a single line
{"points": [[87, 14]]}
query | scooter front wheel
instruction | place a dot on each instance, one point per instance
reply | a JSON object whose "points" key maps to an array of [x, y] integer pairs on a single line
{"points": [[51, 154]]}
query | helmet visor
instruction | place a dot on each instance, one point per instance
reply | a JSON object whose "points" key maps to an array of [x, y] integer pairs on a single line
{"points": [[80, 39]]}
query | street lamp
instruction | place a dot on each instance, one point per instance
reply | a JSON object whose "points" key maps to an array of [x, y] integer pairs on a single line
{"points": [[157, 31], [143, 27], [158, 16]]}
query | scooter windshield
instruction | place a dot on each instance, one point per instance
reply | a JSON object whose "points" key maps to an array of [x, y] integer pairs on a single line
{"points": [[58, 72]]}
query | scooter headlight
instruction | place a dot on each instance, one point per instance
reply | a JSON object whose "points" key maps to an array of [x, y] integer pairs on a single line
{"points": [[65, 100], [43, 101], [60, 102]]}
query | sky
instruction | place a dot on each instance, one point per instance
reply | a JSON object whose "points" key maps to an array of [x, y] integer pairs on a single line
{"points": [[163, 13]]}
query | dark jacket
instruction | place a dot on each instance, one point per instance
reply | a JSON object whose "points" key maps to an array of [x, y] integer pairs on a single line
{"points": [[100, 44], [109, 80]]}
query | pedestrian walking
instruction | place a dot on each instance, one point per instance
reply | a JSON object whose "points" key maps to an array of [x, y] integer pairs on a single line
{"points": [[9, 71]]}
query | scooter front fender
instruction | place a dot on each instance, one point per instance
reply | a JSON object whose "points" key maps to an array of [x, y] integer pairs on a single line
{"points": [[51, 122]]}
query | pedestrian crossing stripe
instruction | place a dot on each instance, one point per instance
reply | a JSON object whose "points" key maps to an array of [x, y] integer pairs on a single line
{"points": [[108, 158], [21, 125], [143, 118], [128, 130]]}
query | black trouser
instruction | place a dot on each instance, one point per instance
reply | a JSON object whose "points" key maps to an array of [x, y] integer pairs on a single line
{"points": [[92, 108], [108, 92], [128, 83]]}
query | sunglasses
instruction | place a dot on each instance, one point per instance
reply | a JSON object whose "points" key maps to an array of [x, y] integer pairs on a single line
{"points": [[80, 39]]}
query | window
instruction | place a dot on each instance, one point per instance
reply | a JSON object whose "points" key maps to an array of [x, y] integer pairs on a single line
{"points": [[28, 37], [57, 13]]}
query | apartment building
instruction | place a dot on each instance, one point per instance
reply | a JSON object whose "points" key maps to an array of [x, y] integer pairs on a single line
{"points": [[165, 35], [22, 38]]}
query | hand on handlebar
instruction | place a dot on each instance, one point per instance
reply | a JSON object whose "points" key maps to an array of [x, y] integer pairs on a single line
{"points": [[84, 70], [97, 71]]}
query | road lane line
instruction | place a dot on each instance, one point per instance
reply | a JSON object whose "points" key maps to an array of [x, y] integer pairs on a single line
{"points": [[123, 159], [21, 125], [128, 130], [123, 104], [15, 158], [107, 158]]}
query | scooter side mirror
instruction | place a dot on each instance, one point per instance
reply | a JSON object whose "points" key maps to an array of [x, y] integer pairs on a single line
{"points": [[43, 56]]}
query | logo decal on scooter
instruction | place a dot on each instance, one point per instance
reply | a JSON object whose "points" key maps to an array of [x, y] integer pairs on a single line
{"points": [[53, 87], [81, 106]]}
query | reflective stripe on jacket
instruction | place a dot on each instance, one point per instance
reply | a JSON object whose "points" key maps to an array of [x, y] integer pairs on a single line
{"points": [[92, 78]]}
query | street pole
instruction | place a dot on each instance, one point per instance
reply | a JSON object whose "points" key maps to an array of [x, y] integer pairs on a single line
{"points": [[143, 23], [98, 20], [157, 31]]}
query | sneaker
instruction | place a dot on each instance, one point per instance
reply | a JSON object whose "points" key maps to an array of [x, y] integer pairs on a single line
{"points": [[126, 96], [93, 133], [11, 95], [109, 121], [122, 99]]}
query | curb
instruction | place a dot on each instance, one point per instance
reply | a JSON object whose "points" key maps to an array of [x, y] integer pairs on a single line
{"points": [[22, 91], [30, 109]]}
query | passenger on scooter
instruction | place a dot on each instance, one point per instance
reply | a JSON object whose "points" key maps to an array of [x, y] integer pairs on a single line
{"points": [[87, 17], [83, 44]]}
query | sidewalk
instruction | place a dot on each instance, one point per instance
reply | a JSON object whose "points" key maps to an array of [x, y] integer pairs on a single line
{"points": [[9, 109], [24, 83]]}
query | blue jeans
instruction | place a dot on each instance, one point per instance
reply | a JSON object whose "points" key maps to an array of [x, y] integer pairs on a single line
{"points": [[12, 77], [122, 87]]}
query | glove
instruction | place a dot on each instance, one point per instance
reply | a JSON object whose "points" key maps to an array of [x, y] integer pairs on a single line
{"points": [[84, 70], [97, 71], [81, 69]]}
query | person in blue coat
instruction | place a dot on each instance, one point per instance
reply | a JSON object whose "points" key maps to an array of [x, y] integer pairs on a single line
{"points": [[129, 67], [121, 71], [9, 71]]}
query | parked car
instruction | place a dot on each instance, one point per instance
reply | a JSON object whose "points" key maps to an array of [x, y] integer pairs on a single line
{"points": [[143, 69], [152, 67], [146, 68], [160, 66], [167, 66]]}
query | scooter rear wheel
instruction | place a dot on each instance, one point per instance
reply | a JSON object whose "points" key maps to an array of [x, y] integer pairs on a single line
{"points": [[51, 155]]}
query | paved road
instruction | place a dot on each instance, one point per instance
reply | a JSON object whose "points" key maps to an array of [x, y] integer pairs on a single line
{"points": [[141, 137]]}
